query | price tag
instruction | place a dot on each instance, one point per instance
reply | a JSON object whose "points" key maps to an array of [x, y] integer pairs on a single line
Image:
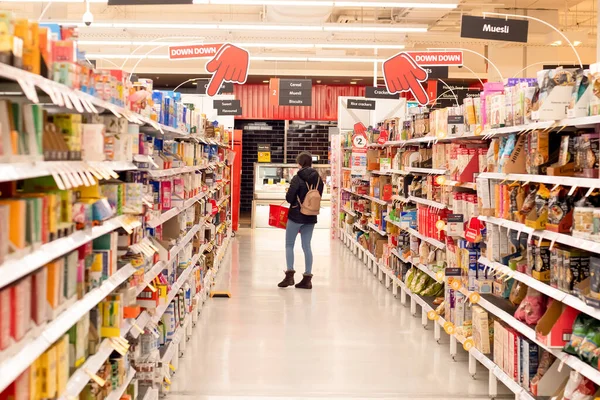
{"points": [[167, 380], [433, 316], [449, 328], [439, 276], [468, 344], [137, 328], [171, 367], [152, 288], [474, 297], [101, 382]]}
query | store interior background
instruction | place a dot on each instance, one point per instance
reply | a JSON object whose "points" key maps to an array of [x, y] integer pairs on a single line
{"points": [[342, 70]]}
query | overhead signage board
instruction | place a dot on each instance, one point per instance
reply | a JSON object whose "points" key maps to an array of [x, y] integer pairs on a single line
{"points": [[437, 58], [264, 153], [360, 104], [186, 52], [226, 87], [437, 72], [445, 97], [147, 2], [508, 30], [290, 92], [379, 93], [227, 107]]}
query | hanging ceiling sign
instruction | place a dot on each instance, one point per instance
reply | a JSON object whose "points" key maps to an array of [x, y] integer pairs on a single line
{"points": [[360, 104], [190, 51], [509, 30], [202, 86], [379, 93], [290, 92], [227, 107], [401, 73], [230, 64], [437, 58]]}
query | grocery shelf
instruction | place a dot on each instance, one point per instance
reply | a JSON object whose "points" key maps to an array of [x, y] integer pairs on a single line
{"points": [[354, 193], [429, 272], [569, 299], [357, 225], [376, 200], [400, 198], [164, 173], [11, 368], [150, 275], [118, 392], [175, 288], [546, 179], [428, 203], [427, 239], [376, 229], [466, 185], [431, 171], [577, 242], [399, 171], [16, 268], [184, 241], [167, 215]]}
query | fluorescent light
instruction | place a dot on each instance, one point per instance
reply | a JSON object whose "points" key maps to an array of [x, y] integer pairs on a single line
{"points": [[576, 43], [343, 59], [556, 43], [371, 28], [245, 45], [265, 81], [94, 56], [353, 83], [195, 83], [395, 4], [242, 27]]}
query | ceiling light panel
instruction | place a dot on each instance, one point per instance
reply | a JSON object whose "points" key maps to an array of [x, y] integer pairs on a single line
{"points": [[366, 46], [296, 3]]}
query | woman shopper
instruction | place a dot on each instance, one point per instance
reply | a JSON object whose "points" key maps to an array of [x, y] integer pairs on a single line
{"points": [[302, 218]]}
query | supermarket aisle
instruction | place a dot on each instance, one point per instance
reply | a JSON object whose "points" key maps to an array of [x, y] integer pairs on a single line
{"points": [[347, 338]]}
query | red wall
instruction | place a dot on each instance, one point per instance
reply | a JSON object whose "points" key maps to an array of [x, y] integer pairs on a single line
{"points": [[254, 99]]}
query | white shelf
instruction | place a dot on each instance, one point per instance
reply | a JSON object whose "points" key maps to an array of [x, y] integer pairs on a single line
{"points": [[375, 199], [348, 211], [167, 215], [184, 241], [431, 171], [117, 393], [400, 198], [16, 268], [11, 368], [466, 185], [429, 272], [399, 171], [427, 239], [546, 179], [428, 203], [26, 170], [354, 193], [357, 226], [164, 173], [572, 241], [376, 229], [378, 172]]}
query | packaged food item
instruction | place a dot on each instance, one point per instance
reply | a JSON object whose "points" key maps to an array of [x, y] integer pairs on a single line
{"points": [[583, 221], [546, 361], [532, 307], [529, 202], [560, 211], [589, 348], [538, 216], [518, 293], [579, 387], [580, 328], [595, 277]]}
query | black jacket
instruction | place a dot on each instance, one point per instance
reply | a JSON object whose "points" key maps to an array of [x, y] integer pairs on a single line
{"points": [[299, 189]]}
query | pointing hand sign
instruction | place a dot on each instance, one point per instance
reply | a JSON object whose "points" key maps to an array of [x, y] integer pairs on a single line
{"points": [[402, 74], [360, 128], [230, 64]]}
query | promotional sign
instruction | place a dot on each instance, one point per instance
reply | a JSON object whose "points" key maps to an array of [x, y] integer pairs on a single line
{"points": [[264, 153], [444, 97], [230, 64], [383, 137], [193, 51], [360, 104], [401, 73], [358, 159], [379, 93], [202, 86], [509, 30], [437, 58], [227, 107], [290, 92]]}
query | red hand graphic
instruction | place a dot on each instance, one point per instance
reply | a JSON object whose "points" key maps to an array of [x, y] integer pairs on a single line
{"points": [[402, 74], [360, 128], [230, 64]]}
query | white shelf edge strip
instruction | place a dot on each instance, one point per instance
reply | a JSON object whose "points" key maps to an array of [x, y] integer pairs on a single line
{"points": [[14, 269], [11, 368], [117, 393], [577, 242], [180, 281], [547, 179]]}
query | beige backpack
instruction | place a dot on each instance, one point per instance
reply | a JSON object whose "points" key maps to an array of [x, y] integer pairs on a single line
{"points": [[312, 202]]}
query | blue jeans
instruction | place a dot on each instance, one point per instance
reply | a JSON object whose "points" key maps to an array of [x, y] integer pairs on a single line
{"points": [[306, 232]]}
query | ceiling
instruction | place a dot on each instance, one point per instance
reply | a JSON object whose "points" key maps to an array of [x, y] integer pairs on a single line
{"points": [[340, 41]]}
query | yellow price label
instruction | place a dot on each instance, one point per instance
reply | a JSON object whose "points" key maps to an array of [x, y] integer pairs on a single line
{"points": [[433, 316], [439, 275], [167, 380], [449, 328], [440, 225], [455, 284], [478, 130], [264, 156], [474, 297], [440, 179], [101, 382], [441, 135], [468, 344], [137, 327], [172, 367]]}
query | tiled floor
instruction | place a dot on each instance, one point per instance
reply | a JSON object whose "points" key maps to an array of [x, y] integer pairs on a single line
{"points": [[347, 338]]}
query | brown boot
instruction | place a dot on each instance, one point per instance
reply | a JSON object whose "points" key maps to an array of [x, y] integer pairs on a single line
{"points": [[306, 282], [288, 280]]}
